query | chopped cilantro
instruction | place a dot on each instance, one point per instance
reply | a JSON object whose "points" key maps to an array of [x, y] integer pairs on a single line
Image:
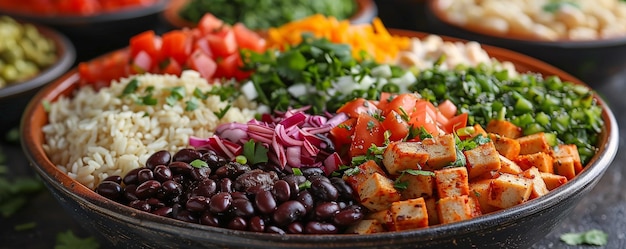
{"points": [[191, 104], [255, 152], [352, 171], [220, 114], [198, 163], [46, 105], [592, 237], [131, 87], [199, 94], [67, 240], [297, 171], [305, 185]]}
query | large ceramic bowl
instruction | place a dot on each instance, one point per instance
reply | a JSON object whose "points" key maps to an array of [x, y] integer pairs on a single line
{"points": [[115, 27], [122, 227], [592, 61], [14, 97], [366, 11]]}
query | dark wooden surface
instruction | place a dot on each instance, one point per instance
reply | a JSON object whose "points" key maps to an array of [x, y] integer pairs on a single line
{"points": [[603, 208]]}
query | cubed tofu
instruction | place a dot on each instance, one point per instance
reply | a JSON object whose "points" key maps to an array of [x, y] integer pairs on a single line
{"points": [[479, 130], [431, 207], [399, 156], [482, 159], [366, 227], [452, 182], [539, 186], [534, 143], [453, 209], [508, 166], [504, 128], [565, 166], [474, 206], [553, 181], [417, 186], [543, 161], [377, 192], [567, 150], [441, 151], [480, 190], [509, 190], [382, 216], [508, 147], [409, 214], [364, 171]]}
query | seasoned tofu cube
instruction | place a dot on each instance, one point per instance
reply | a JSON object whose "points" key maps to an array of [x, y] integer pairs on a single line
{"points": [[474, 206], [480, 191], [431, 207], [533, 143], [565, 166], [482, 159], [452, 182], [377, 192], [504, 128], [508, 147], [478, 130], [399, 156], [382, 216], [539, 186], [441, 151], [552, 181], [362, 173], [508, 166], [567, 150], [409, 214], [417, 186], [543, 161], [366, 227], [509, 190], [453, 209]]}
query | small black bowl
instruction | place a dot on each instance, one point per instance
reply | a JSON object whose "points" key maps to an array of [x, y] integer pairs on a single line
{"points": [[14, 97], [96, 34], [592, 61]]}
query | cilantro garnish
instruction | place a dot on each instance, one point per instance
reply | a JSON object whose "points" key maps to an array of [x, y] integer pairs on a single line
{"points": [[592, 237], [198, 163], [220, 114], [255, 152], [131, 87]]}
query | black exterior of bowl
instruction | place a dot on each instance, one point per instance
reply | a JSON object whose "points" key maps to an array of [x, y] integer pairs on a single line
{"points": [[591, 61], [14, 98], [119, 226]]}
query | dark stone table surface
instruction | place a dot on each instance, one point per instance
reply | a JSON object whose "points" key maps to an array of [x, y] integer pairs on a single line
{"points": [[603, 208]]}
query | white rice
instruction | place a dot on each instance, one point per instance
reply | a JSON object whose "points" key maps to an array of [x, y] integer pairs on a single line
{"points": [[96, 134]]}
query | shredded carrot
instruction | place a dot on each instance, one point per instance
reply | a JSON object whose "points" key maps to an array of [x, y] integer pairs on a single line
{"points": [[374, 38]]}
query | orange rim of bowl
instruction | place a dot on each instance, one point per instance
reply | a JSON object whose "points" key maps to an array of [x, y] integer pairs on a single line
{"points": [[32, 139]]}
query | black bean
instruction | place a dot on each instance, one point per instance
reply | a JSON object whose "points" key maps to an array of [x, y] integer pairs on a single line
{"points": [[242, 207], [312, 171], [326, 210], [323, 189], [282, 191], [213, 160], [345, 191], [162, 157], [162, 173], [348, 216], [197, 203], [238, 223], [140, 205], [131, 176], [206, 187], [182, 168], [163, 211], [295, 228], [171, 189], [226, 185], [208, 218], [186, 155], [144, 175], [130, 192], [275, 229], [220, 202], [306, 199], [199, 174], [316, 227], [265, 202], [239, 195], [115, 178], [185, 215], [255, 180], [232, 170], [147, 189], [288, 212], [256, 224], [110, 189]]}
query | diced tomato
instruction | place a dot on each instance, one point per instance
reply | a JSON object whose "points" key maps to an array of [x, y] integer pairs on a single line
{"points": [[424, 115], [357, 106], [203, 64], [170, 66], [398, 127], [148, 42], [100, 71], [227, 66], [176, 45], [248, 39], [83, 7], [367, 131], [447, 108], [384, 100], [341, 135], [209, 23], [202, 44], [223, 43], [456, 122], [403, 103], [141, 63]]}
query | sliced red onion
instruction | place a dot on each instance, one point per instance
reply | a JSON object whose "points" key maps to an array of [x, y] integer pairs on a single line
{"points": [[332, 163], [293, 156]]}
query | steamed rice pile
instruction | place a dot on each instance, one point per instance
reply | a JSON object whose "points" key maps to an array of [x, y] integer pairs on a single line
{"points": [[96, 134]]}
